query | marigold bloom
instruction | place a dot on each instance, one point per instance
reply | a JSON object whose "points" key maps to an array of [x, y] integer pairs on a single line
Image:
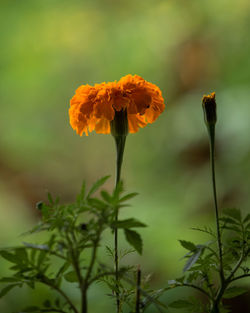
{"points": [[94, 107]]}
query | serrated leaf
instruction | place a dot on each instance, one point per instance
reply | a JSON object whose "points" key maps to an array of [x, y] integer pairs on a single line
{"points": [[21, 254], [82, 193], [134, 239], [229, 220], [193, 259], [128, 196], [247, 218], [37, 247], [179, 304], [51, 201], [128, 223], [188, 245], [233, 212], [97, 185], [109, 251], [205, 229], [63, 268], [9, 257], [41, 257], [234, 228], [106, 196], [234, 292], [9, 280], [71, 277], [6, 289], [118, 190], [96, 203]]}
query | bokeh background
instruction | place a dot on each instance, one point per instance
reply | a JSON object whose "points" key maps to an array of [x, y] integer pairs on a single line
{"points": [[187, 48]]}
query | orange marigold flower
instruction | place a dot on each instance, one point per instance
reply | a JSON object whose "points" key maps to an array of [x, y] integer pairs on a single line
{"points": [[94, 107]]}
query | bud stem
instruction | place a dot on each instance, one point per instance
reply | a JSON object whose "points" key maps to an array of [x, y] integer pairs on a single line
{"points": [[211, 133], [138, 290]]}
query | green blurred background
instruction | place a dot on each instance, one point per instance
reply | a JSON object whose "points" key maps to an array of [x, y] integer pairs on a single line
{"points": [[187, 48]]}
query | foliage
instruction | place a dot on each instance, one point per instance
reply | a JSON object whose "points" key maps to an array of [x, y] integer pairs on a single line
{"points": [[202, 267], [74, 232]]}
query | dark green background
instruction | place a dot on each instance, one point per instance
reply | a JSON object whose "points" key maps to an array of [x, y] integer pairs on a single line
{"points": [[187, 48]]}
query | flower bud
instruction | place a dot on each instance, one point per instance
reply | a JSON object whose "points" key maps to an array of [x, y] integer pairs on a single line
{"points": [[39, 205], [119, 125], [209, 108]]}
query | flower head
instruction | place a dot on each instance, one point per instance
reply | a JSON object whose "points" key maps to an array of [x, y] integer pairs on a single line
{"points": [[209, 108], [95, 107]]}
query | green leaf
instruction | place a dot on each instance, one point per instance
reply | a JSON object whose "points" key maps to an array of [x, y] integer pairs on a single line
{"points": [[9, 257], [229, 220], [128, 223], [63, 268], [234, 213], [71, 277], [193, 258], [97, 185], [6, 289], [234, 292], [179, 304], [41, 257], [118, 190], [206, 230], [21, 254], [96, 203], [188, 245], [128, 196], [134, 239], [82, 193], [37, 247], [51, 201], [247, 218], [9, 280], [106, 196]]}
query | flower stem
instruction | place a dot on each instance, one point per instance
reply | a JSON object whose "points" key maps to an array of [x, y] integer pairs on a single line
{"points": [[120, 145], [138, 291], [211, 133]]}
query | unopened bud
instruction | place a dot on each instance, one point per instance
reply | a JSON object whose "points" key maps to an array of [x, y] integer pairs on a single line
{"points": [[39, 205], [209, 108]]}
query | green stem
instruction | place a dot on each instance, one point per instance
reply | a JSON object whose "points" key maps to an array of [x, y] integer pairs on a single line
{"points": [[120, 145], [239, 277], [62, 293], [138, 291], [211, 132]]}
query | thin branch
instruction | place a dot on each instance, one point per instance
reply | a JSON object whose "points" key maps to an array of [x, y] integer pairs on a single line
{"points": [[47, 250], [211, 132], [62, 293], [239, 277], [194, 287], [93, 257], [91, 281], [138, 291]]}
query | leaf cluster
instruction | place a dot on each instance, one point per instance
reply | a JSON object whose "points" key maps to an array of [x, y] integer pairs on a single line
{"points": [[202, 267], [73, 237]]}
